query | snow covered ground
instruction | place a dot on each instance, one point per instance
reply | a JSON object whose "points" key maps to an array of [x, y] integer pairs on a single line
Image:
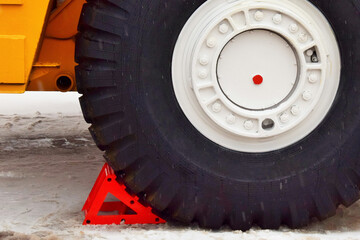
{"points": [[48, 164]]}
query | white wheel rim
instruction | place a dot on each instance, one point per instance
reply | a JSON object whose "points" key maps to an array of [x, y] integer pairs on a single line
{"points": [[246, 76]]}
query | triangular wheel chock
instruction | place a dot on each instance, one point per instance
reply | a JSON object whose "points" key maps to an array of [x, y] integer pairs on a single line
{"points": [[129, 209]]}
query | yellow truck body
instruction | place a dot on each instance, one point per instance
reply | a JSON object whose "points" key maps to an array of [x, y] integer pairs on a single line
{"points": [[37, 44]]}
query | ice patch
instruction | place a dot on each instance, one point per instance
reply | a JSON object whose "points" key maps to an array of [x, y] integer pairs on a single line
{"points": [[8, 149], [10, 175], [28, 143], [82, 139]]}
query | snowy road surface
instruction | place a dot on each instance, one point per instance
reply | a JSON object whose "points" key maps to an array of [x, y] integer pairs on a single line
{"points": [[48, 164]]}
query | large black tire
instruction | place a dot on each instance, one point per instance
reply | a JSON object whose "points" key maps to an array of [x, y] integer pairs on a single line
{"points": [[124, 51]]}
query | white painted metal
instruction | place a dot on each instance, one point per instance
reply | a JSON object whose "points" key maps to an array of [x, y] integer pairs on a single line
{"points": [[257, 52], [225, 44]]}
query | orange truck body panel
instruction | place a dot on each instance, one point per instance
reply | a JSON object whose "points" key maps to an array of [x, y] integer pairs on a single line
{"points": [[37, 45]]}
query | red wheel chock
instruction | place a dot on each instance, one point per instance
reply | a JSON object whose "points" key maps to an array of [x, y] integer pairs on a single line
{"points": [[129, 209]]}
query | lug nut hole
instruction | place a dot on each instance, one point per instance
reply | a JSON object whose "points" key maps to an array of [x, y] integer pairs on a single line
{"points": [[268, 124]]}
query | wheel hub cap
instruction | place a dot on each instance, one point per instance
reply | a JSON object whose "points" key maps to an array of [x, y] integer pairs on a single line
{"points": [[256, 76], [257, 70]]}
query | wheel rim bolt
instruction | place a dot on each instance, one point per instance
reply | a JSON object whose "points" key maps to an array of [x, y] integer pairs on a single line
{"points": [[284, 118], [259, 15], [204, 60], [294, 28], [248, 125], [230, 119], [307, 95], [211, 42], [313, 78], [216, 107], [224, 28], [277, 19], [309, 53], [203, 74], [295, 110]]}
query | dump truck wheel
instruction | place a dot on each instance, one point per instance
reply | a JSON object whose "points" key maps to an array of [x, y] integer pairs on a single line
{"points": [[226, 112]]}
